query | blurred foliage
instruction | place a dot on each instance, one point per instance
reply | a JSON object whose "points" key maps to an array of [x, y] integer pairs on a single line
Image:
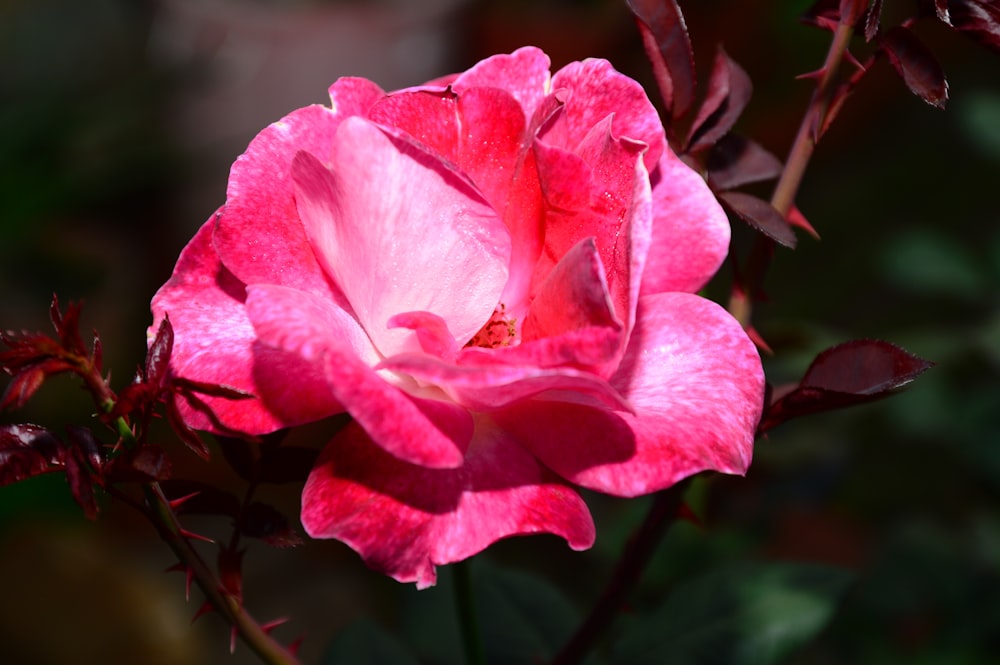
{"points": [[904, 493]]}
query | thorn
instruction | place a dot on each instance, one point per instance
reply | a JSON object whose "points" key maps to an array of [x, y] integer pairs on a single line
{"points": [[815, 74], [685, 513], [274, 623], [205, 608], [854, 61], [181, 500], [758, 340], [293, 648], [188, 576], [232, 640], [796, 218], [195, 536], [176, 568]]}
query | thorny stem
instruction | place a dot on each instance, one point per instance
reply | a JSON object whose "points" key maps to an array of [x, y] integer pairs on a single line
{"points": [[783, 198], [159, 512], [638, 552]]}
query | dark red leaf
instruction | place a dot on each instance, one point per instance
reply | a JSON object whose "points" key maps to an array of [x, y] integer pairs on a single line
{"points": [[135, 397], [68, 326], [263, 521], [185, 433], [85, 441], [979, 18], [736, 160], [917, 66], [140, 465], [207, 499], [761, 215], [872, 20], [852, 373], [864, 367], [81, 484], [21, 388], [285, 464], [729, 90], [662, 25], [158, 356], [27, 451]]}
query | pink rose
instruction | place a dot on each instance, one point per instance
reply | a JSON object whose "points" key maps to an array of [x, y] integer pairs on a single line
{"points": [[494, 274]]}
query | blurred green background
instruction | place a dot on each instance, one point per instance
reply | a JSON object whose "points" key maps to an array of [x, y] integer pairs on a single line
{"points": [[119, 121]]}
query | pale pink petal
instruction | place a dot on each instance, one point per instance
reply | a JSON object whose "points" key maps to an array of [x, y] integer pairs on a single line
{"points": [[690, 236], [696, 384], [491, 385], [214, 343], [524, 74], [401, 232], [423, 431], [482, 132], [405, 520], [432, 332], [594, 91]]}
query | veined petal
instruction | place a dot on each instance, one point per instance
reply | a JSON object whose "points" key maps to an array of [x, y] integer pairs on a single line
{"points": [[690, 236], [423, 431], [214, 343], [399, 232], [593, 91], [405, 520], [696, 384]]}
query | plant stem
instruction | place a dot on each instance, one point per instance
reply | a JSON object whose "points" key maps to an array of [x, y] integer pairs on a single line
{"points": [[799, 155], [467, 621], [165, 520], [638, 552]]}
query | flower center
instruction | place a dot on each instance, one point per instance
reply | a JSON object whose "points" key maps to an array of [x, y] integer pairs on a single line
{"points": [[498, 331]]}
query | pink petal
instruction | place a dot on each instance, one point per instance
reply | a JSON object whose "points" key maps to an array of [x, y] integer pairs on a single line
{"points": [[696, 384], [432, 332], [482, 132], [405, 520], [603, 193], [214, 342], [259, 236], [574, 298], [690, 236], [524, 74], [424, 431], [401, 232], [493, 384], [594, 91]]}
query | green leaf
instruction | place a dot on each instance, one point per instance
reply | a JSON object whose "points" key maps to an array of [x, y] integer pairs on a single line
{"points": [[748, 614], [365, 642]]}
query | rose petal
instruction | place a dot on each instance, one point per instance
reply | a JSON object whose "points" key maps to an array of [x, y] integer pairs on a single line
{"points": [[593, 91], [696, 384], [400, 232], [492, 384], [524, 74], [424, 431], [259, 236], [603, 193], [690, 237], [404, 520], [482, 132], [214, 343]]}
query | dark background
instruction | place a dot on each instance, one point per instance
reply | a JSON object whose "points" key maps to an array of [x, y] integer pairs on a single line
{"points": [[118, 122]]}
